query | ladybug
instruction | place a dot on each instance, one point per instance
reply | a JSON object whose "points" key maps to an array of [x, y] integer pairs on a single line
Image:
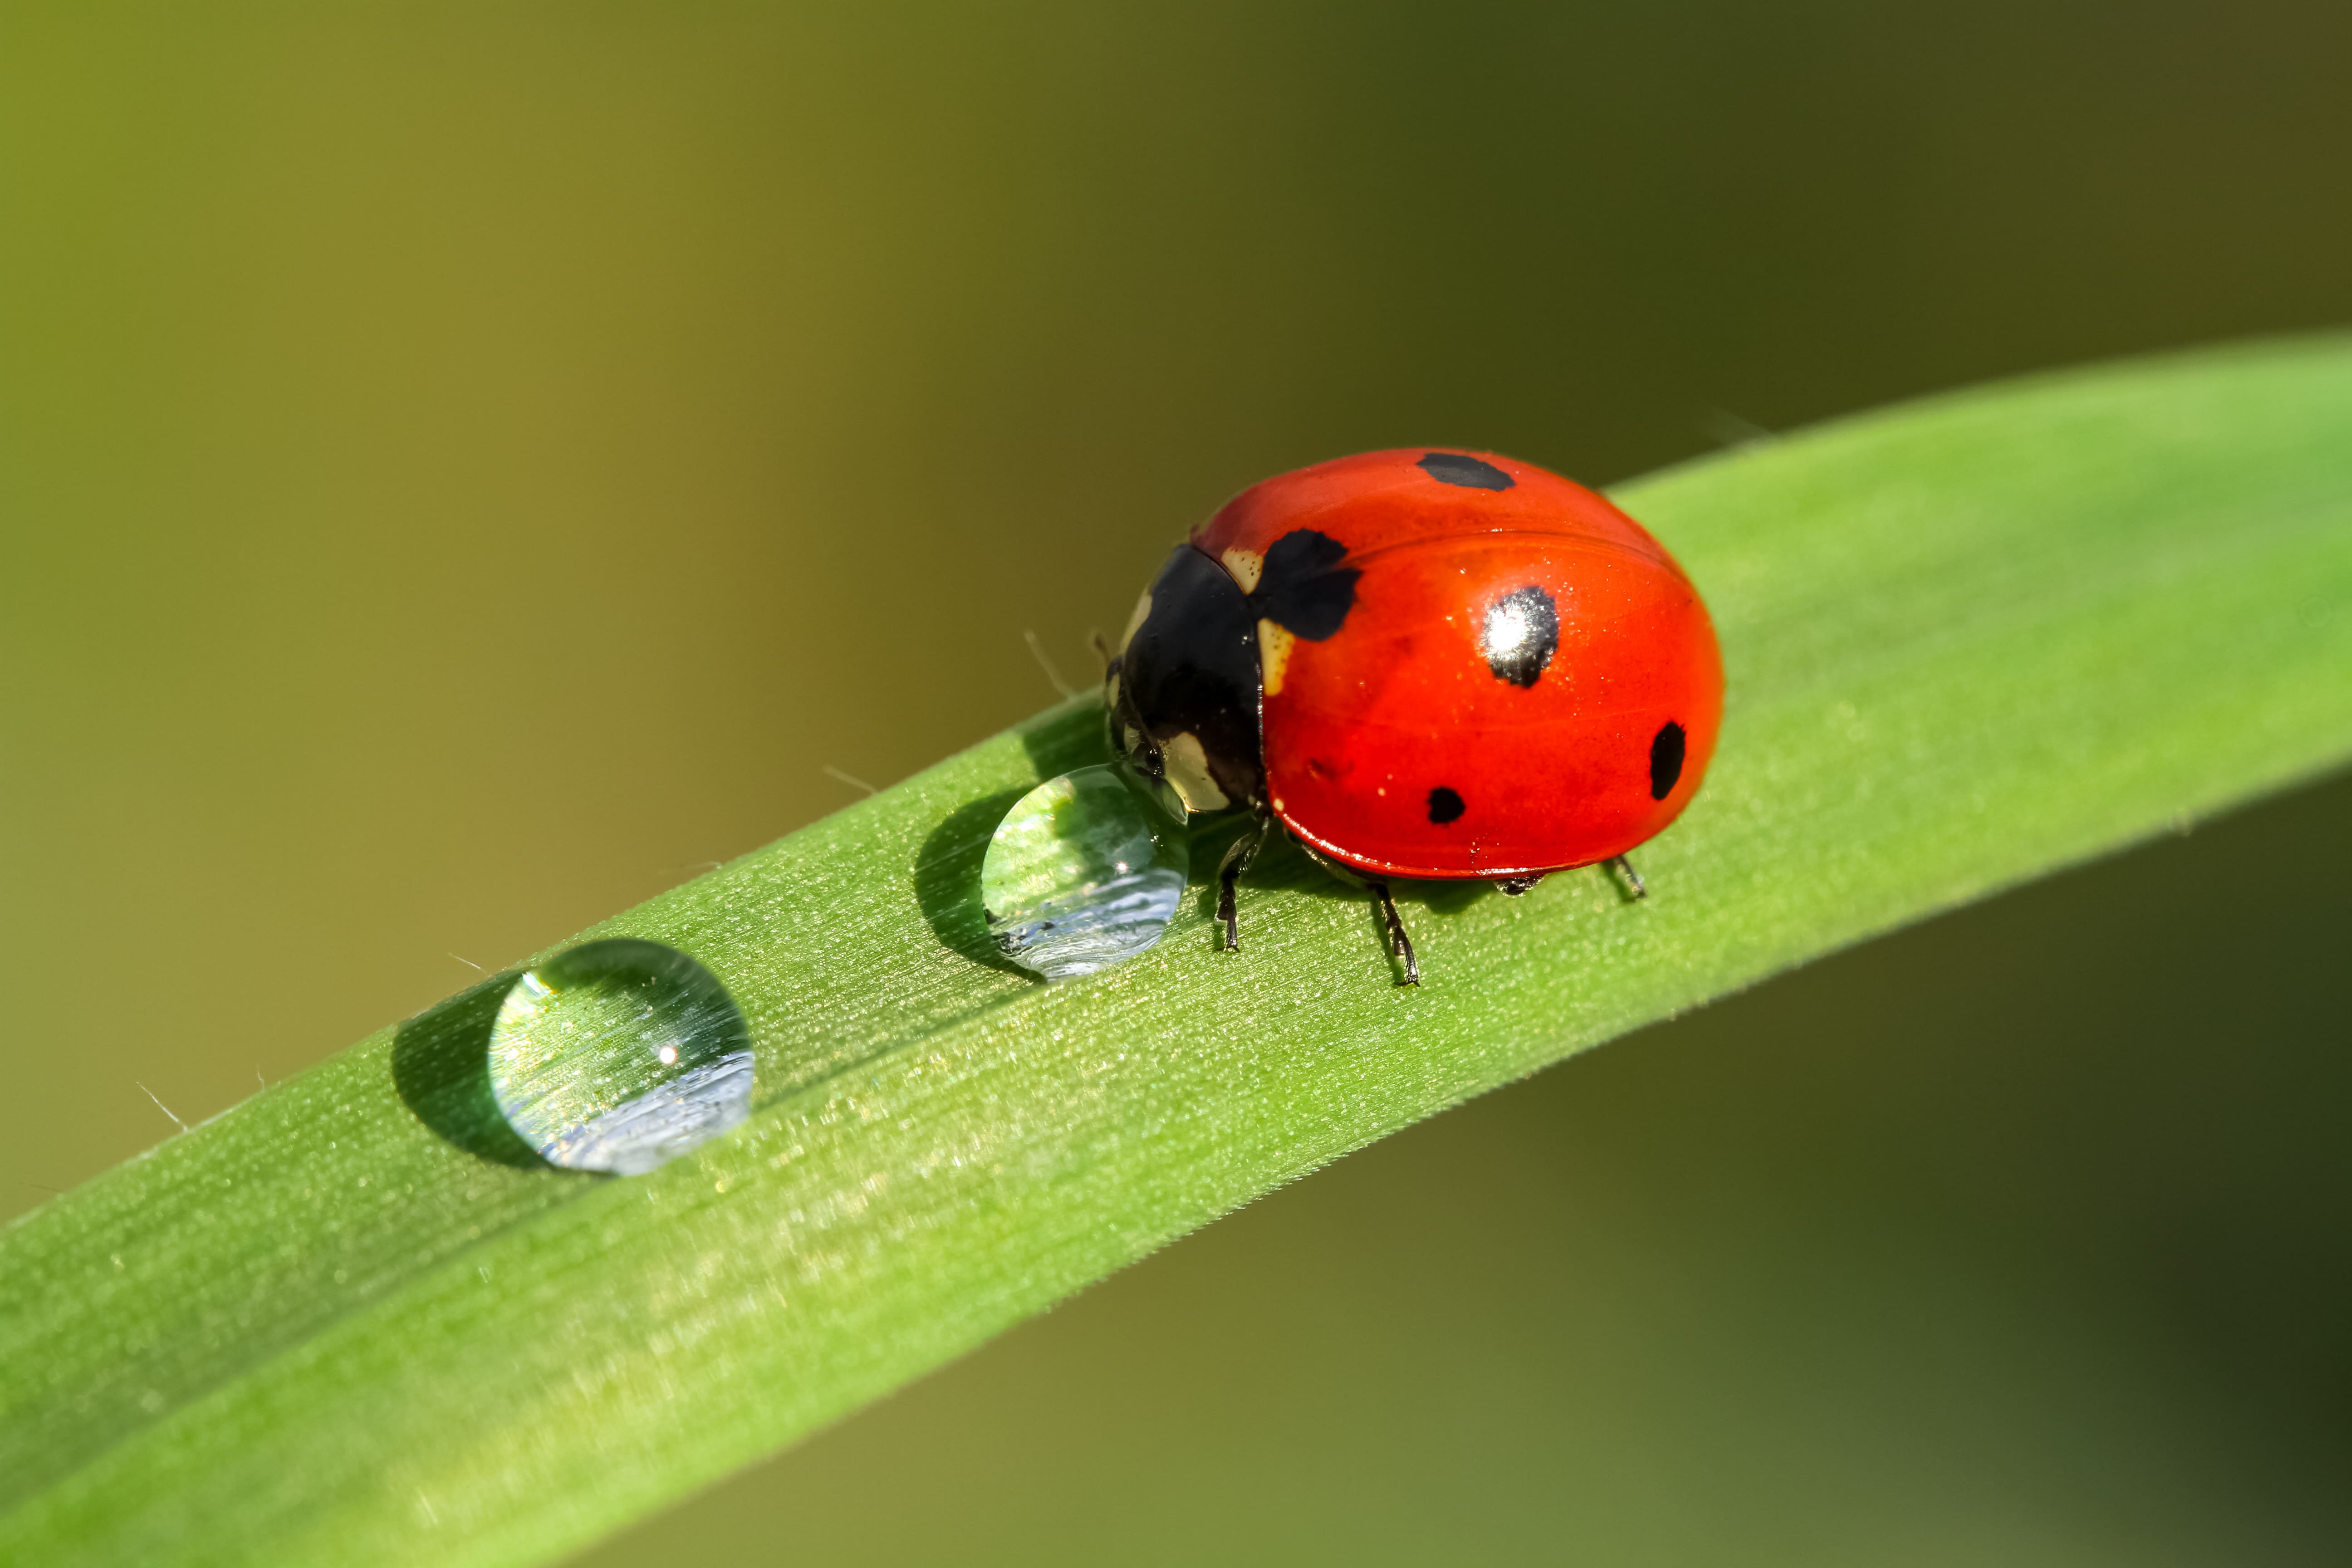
{"points": [[1421, 665]]}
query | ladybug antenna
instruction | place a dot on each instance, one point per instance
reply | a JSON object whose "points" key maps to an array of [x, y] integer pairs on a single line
{"points": [[1037, 651], [1102, 649]]}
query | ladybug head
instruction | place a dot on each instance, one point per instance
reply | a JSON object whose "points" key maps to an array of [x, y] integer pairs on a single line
{"points": [[1181, 695]]}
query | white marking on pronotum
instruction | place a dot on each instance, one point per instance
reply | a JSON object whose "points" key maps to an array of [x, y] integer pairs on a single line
{"points": [[829, 770], [160, 1105], [1037, 652], [1188, 769]]}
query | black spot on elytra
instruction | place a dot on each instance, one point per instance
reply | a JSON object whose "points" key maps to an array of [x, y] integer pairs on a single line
{"points": [[1453, 468], [1303, 588], [1444, 806], [1530, 615], [1665, 760]]}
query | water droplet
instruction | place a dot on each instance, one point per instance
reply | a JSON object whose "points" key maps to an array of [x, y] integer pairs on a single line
{"points": [[618, 1056], [1085, 870]]}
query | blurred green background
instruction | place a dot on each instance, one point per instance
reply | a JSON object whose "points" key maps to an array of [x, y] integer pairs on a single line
{"points": [[463, 468]]}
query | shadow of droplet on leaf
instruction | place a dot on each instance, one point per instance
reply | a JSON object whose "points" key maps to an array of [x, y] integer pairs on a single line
{"points": [[947, 880], [441, 1067]]}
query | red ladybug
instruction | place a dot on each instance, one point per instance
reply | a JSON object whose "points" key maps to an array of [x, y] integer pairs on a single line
{"points": [[1423, 664]]}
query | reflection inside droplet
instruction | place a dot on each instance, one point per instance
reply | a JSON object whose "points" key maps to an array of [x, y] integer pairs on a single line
{"points": [[618, 1056], [1085, 870]]}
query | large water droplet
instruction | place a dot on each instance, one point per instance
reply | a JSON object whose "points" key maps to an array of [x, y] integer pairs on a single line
{"points": [[1085, 870], [618, 1056]]}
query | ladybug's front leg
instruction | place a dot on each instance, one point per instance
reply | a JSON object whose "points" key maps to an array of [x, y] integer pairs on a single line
{"points": [[1237, 859]]}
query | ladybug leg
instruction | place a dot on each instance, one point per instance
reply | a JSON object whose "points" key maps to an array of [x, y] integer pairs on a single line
{"points": [[1634, 888], [1400, 945], [1238, 856]]}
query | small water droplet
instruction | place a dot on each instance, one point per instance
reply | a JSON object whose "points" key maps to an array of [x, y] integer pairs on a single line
{"points": [[618, 1056], [1085, 870]]}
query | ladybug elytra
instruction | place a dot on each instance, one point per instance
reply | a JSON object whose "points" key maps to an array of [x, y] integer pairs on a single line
{"points": [[1421, 665]]}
